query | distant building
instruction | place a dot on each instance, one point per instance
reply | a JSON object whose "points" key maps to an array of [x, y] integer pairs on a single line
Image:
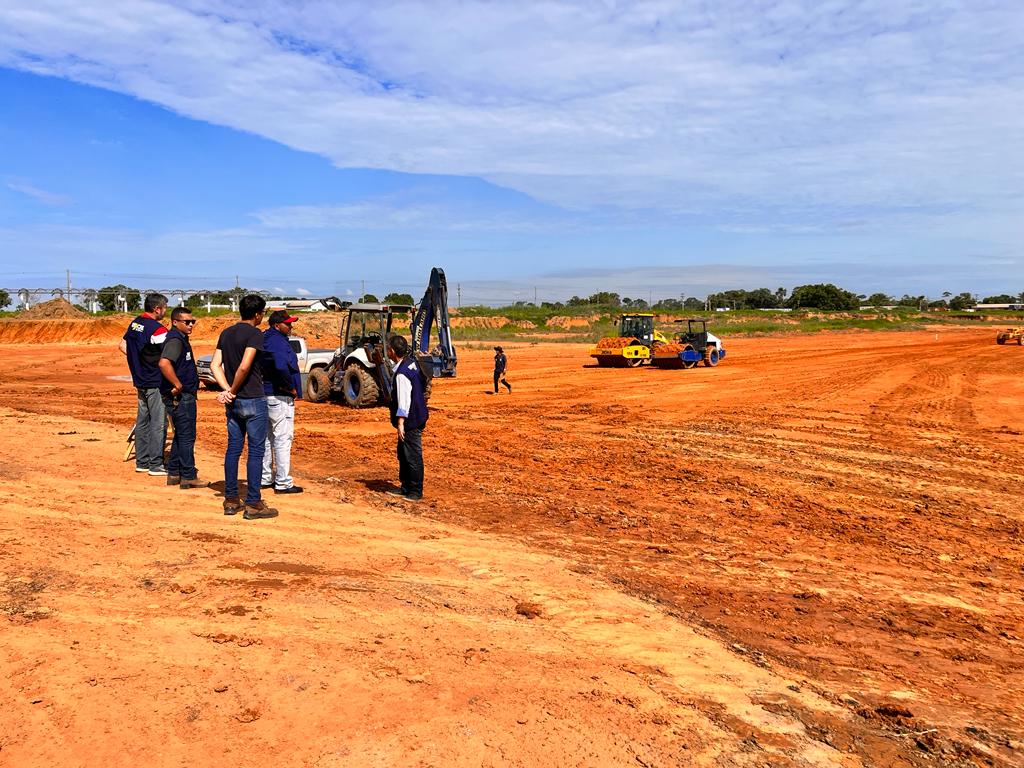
{"points": [[303, 305], [999, 306]]}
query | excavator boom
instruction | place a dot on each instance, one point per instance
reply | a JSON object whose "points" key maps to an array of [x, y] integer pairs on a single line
{"points": [[431, 312]]}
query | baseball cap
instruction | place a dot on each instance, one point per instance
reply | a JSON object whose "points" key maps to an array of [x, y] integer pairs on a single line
{"points": [[280, 316]]}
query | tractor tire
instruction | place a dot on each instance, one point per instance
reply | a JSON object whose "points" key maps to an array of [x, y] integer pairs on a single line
{"points": [[1000, 340], [634, 362], [318, 386], [1020, 340], [711, 357], [358, 388]]}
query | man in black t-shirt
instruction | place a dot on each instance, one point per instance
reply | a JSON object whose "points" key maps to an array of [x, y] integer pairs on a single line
{"points": [[236, 367]]}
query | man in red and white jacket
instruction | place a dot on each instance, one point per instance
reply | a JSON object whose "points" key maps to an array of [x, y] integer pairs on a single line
{"points": [[142, 344]]}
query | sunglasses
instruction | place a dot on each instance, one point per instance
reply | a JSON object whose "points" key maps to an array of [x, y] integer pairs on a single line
{"points": [[186, 322]]}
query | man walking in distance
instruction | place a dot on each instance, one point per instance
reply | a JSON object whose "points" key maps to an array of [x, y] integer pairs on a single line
{"points": [[236, 367], [500, 366], [141, 344], [179, 388], [282, 383], [409, 417]]}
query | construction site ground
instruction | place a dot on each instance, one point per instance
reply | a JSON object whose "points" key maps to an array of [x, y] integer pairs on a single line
{"points": [[809, 555]]}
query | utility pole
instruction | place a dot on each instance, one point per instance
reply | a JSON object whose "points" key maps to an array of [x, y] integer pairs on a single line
{"points": [[458, 291], [362, 289], [69, 283], [535, 295]]}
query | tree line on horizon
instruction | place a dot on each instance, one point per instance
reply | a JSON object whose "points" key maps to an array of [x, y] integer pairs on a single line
{"points": [[820, 296]]}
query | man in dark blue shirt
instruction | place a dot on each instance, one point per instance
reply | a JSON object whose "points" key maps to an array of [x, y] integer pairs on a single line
{"points": [[282, 382], [179, 389], [141, 344], [500, 366], [408, 416]]}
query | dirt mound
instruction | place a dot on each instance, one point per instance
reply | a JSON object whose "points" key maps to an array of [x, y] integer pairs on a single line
{"points": [[489, 322], [80, 331], [567, 322], [52, 310]]}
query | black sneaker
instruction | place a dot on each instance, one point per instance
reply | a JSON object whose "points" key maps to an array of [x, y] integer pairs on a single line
{"points": [[290, 489], [233, 505], [258, 511], [396, 491], [413, 497], [267, 485]]}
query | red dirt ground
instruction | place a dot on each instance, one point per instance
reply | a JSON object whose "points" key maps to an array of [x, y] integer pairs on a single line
{"points": [[810, 555]]}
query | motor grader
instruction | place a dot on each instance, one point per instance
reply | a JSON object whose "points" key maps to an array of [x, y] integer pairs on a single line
{"points": [[1010, 334], [694, 345], [632, 347]]}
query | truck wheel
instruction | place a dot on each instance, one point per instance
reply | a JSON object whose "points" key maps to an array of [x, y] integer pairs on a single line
{"points": [[318, 386], [1000, 340], [711, 357], [358, 387]]}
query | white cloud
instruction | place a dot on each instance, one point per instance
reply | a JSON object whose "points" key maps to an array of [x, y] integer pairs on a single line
{"points": [[43, 196], [396, 215], [303, 292], [717, 110]]}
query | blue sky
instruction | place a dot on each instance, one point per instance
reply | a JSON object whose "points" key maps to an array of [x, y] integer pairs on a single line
{"points": [[649, 148]]}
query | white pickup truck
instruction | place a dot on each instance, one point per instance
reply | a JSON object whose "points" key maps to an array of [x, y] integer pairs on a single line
{"points": [[309, 359]]}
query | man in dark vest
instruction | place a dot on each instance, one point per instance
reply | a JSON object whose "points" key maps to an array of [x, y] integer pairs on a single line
{"points": [[179, 389], [500, 366], [141, 344], [408, 417]]}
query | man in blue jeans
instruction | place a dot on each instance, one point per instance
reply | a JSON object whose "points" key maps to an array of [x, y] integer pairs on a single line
{"points": [[179, 389], [237, 369]]}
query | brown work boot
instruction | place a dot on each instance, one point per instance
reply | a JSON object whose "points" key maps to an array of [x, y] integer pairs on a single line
{"points": [[233, 505], [258, 511], [174, 479], [194, 483]]}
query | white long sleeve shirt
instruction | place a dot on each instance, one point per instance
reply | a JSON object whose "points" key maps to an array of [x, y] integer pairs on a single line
{"points": [[403, 388]]}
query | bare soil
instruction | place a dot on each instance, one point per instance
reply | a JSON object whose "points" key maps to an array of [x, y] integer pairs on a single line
{"points": [[809, 555]]}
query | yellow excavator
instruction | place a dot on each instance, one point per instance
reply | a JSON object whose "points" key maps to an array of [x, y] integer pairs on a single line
{"points": [[632, 347]]}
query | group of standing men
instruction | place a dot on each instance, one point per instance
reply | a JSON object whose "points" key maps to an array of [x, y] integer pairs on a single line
{"points": [[258, 373]]}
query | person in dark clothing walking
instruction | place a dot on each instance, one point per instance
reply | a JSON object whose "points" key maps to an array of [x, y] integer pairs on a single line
{"points": [[237, 368], [282, 384], [500, 366], [179, 388], [141, 344], [409, 417]]}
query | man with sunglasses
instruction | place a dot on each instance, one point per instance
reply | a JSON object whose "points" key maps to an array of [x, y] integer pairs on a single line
{"points": [[178, 388]]}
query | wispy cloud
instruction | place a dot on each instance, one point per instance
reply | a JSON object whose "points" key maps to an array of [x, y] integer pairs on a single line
{"points": [[42, 195], [720, 111], [398, 215]]}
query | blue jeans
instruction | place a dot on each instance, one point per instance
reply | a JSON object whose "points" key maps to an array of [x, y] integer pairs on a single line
{"points": [[183, 448], [150, 429], [247, 420]]}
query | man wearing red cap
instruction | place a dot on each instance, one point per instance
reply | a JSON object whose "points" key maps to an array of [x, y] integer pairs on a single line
{"points": [[282, 382]]}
